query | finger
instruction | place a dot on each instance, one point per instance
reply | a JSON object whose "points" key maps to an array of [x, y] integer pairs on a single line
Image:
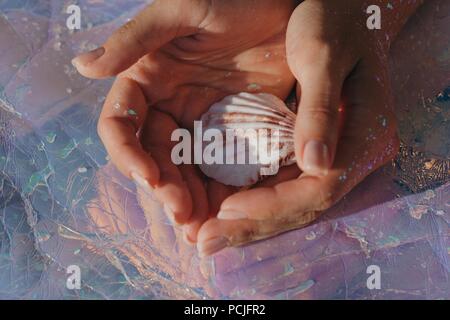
{"points": [[160, 230], [319, 118], [172, 190], [155, 26], [218, 192], [216, 234], [199, 202], [279, 202], [122, 116], [320, 66], [262, 213]]}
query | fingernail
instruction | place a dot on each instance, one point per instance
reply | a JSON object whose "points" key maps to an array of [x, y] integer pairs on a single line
{"points": [[316, 158], [141, 182], [231, 215], [171, 215], [88, 57], [187, 239], [211, 246]]}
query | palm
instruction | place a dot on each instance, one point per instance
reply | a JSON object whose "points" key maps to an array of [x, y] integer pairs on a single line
{"points": [[185, 77], [190, 73]]}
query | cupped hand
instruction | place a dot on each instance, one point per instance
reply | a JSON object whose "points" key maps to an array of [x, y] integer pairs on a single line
{"points": [[345, 127], [173, 61]]}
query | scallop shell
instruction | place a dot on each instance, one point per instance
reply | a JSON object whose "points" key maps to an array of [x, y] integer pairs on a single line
{"points": [[270, 118]]}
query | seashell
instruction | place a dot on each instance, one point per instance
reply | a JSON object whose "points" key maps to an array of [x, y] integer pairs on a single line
{"points": [[237, 118]]}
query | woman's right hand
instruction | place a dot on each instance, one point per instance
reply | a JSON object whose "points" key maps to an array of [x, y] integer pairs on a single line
{"points": [[173, 61]]}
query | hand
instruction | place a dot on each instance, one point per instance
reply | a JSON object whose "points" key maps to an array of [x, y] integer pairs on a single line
{"points": [[346, 113], [138, 228], [173, 61]]}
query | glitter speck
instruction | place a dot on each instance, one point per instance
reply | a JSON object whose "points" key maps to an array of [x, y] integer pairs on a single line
{"points": [[69, 90], [253, 87], [444, 96], [310, 236], [267, 55], [131, 112], [288, 269], [88, 141], [51, 137], [82, 170], [116, 106], [57, 46]]}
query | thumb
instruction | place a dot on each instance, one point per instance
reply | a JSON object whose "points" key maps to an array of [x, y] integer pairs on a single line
{"points": [[318, 122], [153, 27]]}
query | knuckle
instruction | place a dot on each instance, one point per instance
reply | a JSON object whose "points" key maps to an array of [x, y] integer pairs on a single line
{"points": [[131, 31], [321, 114]]}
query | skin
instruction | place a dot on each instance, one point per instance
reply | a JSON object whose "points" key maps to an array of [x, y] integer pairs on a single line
{"points": [[173, 61], [343, 89], [345, 103]]}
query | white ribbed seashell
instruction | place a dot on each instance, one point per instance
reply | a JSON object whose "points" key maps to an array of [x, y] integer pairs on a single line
{"points": [[270, 118]]}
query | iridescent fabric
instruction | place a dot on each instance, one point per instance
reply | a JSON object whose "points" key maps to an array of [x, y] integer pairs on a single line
{"points": [[62, 203]]}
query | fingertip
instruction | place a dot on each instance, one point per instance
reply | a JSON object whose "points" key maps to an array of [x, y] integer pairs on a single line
{"points": [[211, 246], [91, 65], [86, 58], [102, 63], [178, 215], [137, 165], [190, 232], [148, 181], [316, 159], [150, 171], [209, 228]]}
